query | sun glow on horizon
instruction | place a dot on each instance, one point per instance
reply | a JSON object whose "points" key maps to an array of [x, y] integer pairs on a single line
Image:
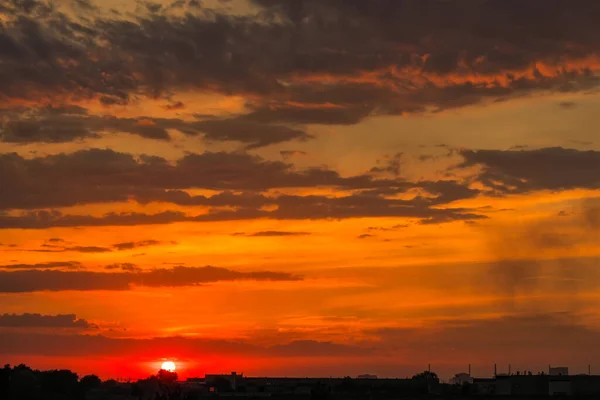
{"points": [[168, 366]]}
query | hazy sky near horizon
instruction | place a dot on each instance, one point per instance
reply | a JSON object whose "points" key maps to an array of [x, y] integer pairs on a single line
{"points": [[307, 187]]}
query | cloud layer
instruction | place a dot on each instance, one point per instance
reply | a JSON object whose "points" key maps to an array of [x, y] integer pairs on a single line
{"points": [[45, 265], [535, 334], [521, 171], [43, 321], [314, 62], [106, 176], [34, 280]]}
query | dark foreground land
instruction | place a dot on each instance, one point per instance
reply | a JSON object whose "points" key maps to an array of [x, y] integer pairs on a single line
{"points": [[24, 383]]}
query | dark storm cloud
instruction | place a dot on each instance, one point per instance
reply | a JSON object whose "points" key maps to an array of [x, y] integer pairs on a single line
{"points": [[322, 62], [44, 321], [46, 265], [521, 171], [48, 280]]}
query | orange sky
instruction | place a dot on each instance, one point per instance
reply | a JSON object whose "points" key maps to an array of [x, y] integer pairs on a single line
{"points": [[242, 195]]}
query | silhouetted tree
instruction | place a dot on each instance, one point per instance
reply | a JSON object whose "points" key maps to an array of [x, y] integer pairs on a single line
{"points": [[137, 391], [162, 386], [427, 376], [110, 383], [144, 388], [61, 384], [90, 382], [5, 381], [167, 376], [24, 384], [426, 381]]}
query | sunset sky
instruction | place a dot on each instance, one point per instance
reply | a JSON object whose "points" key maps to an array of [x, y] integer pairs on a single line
{"points": [[299, 187]]}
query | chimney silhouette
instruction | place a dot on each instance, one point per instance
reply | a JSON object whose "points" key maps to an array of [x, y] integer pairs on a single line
{"points": [[495, 371]]}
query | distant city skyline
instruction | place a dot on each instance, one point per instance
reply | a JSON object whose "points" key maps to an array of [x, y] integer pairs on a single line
{"points": [[23, 382]]}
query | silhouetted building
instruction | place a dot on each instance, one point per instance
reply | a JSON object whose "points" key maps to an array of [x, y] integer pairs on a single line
{"points": [[560, 386], [558, 371], [461, 379], [215, 381], [484, 386], [529, 385]]}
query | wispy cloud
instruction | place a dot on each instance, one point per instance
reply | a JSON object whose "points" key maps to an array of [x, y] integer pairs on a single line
{"points": [[49, 280]]}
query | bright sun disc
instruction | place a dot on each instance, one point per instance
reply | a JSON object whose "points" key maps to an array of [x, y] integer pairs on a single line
{"points": [[168, 366]]}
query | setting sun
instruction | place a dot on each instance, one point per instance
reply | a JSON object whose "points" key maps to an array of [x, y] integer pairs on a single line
{"points": [[168, 366]]}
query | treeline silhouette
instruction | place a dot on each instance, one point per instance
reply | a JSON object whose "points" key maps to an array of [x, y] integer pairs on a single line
{"points": [[23, 383]]}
